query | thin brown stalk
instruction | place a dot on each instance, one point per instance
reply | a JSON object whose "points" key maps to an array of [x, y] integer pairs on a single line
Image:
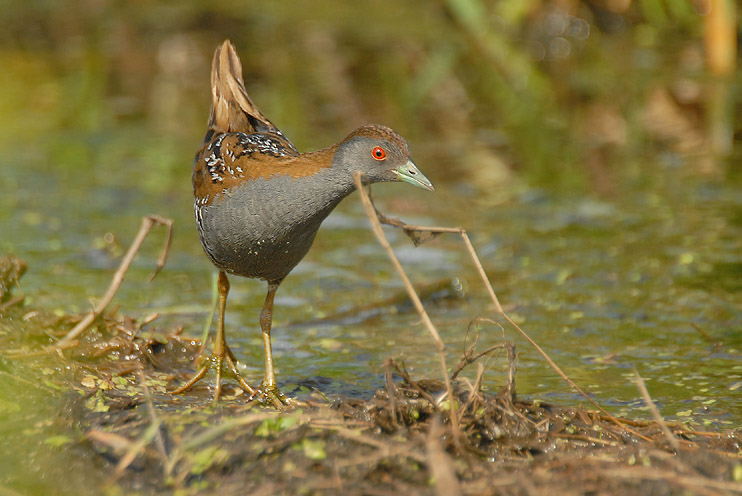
{"points": [[409, 380], [655, 412], [587, 439], [468, 358], [381, 237], [116, 442], [413, 231], [385, 448], [20, 353], [118, 277], [155, 421], [440, 465], [212, 433], [513, 364], [133, 450], [706, 335], [391, 391], [474, 390]]}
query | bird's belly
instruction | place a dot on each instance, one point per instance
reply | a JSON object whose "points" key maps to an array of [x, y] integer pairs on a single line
{"points": [[249, 248], [251, 234]]}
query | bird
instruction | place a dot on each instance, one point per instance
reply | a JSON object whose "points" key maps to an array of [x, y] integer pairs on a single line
{"points": [[258, 202]]}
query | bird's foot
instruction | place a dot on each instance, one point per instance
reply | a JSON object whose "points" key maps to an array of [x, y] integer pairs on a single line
{"points": [[268, 395], [217, 362]]}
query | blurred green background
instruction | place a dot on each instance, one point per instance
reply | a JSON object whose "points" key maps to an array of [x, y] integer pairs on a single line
{"points": [[590, 147], [542, 87]]}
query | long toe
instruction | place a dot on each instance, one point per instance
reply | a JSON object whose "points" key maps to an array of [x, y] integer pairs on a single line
{"points": [[274, 397], [232, 365], [193, 380], [218, 363]]}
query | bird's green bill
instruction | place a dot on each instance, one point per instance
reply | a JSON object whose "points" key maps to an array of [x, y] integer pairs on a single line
{"points": [[409, 173]]}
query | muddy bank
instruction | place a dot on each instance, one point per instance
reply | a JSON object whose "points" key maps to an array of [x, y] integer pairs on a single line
{"points": [[400, 440]]}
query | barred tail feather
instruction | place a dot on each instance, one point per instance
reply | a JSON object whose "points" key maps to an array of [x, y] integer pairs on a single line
{"points": [[231, 107]]}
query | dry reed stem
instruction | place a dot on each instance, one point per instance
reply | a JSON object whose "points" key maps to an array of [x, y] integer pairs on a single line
{"points": [[152, 432], [167, 462], [381, 237], [20, 353], [655, 412], [146, 226], [474, 390], [384, 449], [391, 391], [413, 230], [467, 358], [440, 465], [402, 372], [132, 451], [703, 333]]}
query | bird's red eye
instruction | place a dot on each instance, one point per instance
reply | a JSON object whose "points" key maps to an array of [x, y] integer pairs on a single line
{"points": [[379, 153]]}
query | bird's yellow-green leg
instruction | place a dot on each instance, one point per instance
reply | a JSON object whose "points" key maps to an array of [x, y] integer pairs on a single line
{"points": [[269, 392], [221, 354]]}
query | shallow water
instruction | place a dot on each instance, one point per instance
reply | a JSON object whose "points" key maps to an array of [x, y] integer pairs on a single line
{"points": [[604, 285]]}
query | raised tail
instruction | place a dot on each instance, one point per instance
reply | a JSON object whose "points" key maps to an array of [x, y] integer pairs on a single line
{"points": [[231, 108]]}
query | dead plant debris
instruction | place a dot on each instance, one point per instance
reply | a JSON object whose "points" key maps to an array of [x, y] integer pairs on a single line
{"points": [[399, 440]]}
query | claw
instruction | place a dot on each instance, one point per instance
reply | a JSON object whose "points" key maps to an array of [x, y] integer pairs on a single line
{"points": [[217, 362], [272, 396], [221, 353], [268, 393]]}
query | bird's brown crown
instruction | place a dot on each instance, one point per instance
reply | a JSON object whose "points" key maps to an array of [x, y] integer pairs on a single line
{"points": [[379, 132]]}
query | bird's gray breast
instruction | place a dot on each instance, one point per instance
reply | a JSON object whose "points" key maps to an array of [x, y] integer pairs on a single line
{"points": [[263, 228]]}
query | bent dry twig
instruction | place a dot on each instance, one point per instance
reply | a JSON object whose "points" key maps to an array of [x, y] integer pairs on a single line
{"points": [[379, 233], [440, 463], [414, 232], [144, 229], [132, 449], [655, 412]]}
